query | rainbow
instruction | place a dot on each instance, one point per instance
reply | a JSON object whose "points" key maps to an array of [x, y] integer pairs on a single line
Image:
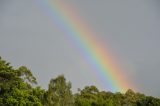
{"points": [[75, 28]]}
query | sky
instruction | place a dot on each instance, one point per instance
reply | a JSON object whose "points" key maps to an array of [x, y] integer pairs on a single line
{"points": [[130, 28]]}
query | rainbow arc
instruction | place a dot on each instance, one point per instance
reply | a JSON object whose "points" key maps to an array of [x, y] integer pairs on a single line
{"points": [[74, 27]]}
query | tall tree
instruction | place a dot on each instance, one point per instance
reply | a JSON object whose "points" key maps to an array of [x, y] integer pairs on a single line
{"points": [[59, 92]]}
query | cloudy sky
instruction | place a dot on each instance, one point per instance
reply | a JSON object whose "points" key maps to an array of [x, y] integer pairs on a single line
{"points": [[130, 28]]}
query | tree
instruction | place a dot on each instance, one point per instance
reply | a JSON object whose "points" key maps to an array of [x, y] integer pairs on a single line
{"points": [[16, 86], [59, 92], [88, 97], [130, 98], [16, 89]]}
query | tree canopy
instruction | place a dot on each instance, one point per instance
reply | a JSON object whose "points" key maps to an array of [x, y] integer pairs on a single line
{"points": [[18, 88]]}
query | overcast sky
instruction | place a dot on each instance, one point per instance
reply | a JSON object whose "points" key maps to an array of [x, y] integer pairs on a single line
{"points": [[130, 28]]}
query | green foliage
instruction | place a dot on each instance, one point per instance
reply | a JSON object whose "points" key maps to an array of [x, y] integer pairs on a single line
{"points": [[15, 86], [16, 89], [59, 92], [87, 96], [90, 96]]}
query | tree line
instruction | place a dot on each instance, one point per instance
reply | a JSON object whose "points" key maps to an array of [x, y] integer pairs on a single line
{"points": [[18, 88]]}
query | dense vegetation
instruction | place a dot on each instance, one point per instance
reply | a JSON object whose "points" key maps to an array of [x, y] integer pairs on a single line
{"points": [[18, 88]]}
